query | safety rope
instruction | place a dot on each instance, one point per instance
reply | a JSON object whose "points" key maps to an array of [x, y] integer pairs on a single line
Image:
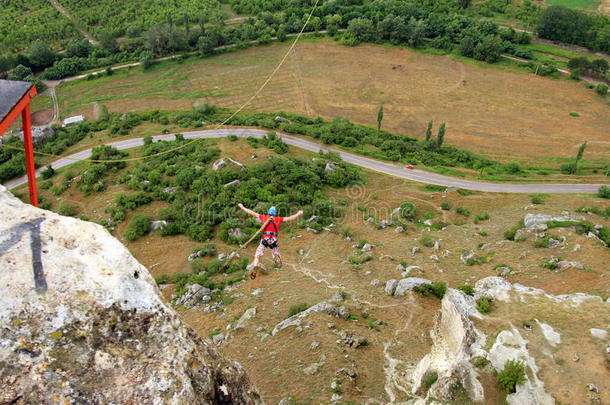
{"points": [[260, 89]]}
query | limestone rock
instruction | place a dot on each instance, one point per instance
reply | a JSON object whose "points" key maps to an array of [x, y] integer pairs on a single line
{"points": [[599, 333], [390, 286], [564, 265], [455, 342], [407, 284], [249, 314], [195, 296], [330, 167], [468, 256], [495, 287], [40, 135], [367, 247], [375, 282], [154, 225], [353, 339], [88, 323], [232, 183], [416, 249], [531, 220], [549, 333]]}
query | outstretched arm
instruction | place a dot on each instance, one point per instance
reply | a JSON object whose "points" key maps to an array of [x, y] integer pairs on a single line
{"points": [[293, 217], [247, 211]]}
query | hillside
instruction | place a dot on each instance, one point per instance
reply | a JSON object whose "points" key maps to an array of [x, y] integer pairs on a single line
{"points": [[315, 357]]}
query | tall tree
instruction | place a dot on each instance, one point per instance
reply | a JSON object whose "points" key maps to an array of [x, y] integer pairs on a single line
{"points": [[379, 117], [429, 131], [186, 24], [581, 150], [441, 136], [40, 54]]}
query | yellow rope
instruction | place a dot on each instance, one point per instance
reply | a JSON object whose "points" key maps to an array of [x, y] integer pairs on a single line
{"points": [[196, 139]]}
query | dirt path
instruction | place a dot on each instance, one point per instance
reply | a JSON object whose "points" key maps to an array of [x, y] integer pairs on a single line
{"points": [[388, 168], [78, 27]]}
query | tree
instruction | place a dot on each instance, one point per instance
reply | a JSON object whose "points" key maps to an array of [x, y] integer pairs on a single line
{"points": [[464, 4], [205, 46], [489, 49], [108, 41], [186, 24], [281, 33], [601, 89], [467, 46], [332, 24], [361, 29], [417, 29], [379, 117], [315, 23], [20, 73], [441, 136], [79, 48], [40, 55], [429, 131], [146, 60]]}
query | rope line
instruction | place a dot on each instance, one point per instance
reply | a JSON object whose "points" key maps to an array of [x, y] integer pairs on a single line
{"points": [[256, 93]]}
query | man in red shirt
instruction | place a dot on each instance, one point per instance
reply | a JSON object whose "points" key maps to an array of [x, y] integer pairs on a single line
{"points": [[269, 239]]}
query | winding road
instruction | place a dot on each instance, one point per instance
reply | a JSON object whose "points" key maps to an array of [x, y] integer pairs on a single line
{"points": [[391, 169]]}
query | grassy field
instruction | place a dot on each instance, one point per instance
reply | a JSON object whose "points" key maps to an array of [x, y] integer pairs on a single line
{"points": [[582, 4], [501, 112], [276, 365]]}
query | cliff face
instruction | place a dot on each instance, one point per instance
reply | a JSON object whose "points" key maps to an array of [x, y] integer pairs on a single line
{"points": [[82, 321]]}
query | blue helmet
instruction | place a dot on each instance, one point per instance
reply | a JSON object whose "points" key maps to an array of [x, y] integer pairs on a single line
{"points": [[272, 211]]}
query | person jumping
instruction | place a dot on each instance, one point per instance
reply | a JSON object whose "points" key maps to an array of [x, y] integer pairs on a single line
{"points": [[269, 238]]}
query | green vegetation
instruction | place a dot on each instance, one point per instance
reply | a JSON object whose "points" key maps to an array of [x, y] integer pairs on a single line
{"points": [[436, 289], [67, 209], [408, 210], [595, 210], [47, 173], [571, 26], [463, 211], [356, 260], [604, 192], [445, 206], [482, 217], [484, 304], [510, 233], [466, 289], [426, 241], [429, 379], [512, 375], [297, 308], [139, 226]]}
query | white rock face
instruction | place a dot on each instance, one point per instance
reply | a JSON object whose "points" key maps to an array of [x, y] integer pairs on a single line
{"points": [[549, 333], [510, 345], [88, 322], [455, 342], [531, 220], [599, 333]]}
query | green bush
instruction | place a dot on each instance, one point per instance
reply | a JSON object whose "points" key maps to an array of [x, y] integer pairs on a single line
{"points": [[360, 259], [601, 89], [197, 265], [297, 308], [408, 210], [437, 289], [510, 233], [206, 250], [463, 211], [466, 289], [537, 200], [48, 172], [347, 232], [139, 226], [67, 209], [445, 206], [479, 218], [426, 241], [512, 375], [484, 304], [232, 137], [603, 192], [429, 379], [162, 279]]}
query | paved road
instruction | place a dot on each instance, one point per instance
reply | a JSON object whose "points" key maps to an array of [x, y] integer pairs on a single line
{"points": [[392, 169]]}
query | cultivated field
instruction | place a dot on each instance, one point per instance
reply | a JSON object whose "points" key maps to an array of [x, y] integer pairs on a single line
{"points": [[496, 110], [277, 363]]}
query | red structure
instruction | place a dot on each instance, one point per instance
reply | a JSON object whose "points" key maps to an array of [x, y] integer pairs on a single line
{"points": [[15, 99]]}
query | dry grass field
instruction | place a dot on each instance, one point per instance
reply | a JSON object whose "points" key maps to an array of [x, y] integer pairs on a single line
{"points": [[493, 109], [276, 363]]}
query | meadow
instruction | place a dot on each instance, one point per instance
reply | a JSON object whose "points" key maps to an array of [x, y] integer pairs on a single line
{"points": [[496, 110]]}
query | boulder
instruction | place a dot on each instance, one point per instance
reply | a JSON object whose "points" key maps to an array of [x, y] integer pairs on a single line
{"points": [[468, 256], [195, 296], [249, 314], [353, 339], [280, 119], [169, 190], [88, 323], [599, 333], [495, 287], [232, 183], [531, 220], [407, 284], [40, 135], [367, 247], [390, 286], [330, 167], [154, 225]]}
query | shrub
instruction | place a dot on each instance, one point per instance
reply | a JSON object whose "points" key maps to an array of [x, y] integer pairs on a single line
{"points": [[426, 241], [463, 211], [445, 206], [297, 308], [604, 192], [197, 265], [347, 232], [429, 380], [479, 218], [437, 289], [574, 114], [48, 172], [360, 259], [484, 304], [512, 375], [139, 226], [510, 233], [67, 209], [537, 200], [162, 279], [601, 89], [466, 289], [232, 137], [408, 210], [206, 250]]}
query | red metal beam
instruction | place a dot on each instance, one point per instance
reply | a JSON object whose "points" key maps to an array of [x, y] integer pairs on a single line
{"points": [[25, 100], [29, 154]]}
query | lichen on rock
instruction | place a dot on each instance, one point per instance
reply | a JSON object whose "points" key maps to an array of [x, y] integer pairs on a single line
{"points": [[84, 322]]}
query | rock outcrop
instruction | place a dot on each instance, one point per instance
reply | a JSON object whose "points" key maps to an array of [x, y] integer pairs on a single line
{"points": [[40, 135], [83, 322], [455, 342]]}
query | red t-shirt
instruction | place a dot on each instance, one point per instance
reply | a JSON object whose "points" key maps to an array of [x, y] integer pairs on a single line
{"points": [[270, 228]]}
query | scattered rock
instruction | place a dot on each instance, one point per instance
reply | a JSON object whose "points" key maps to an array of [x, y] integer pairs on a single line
{"points": [[599, 333], [554, 243], [375, 283], [347, 372], [437, 245], [367, 247], [301, 252], [330, 325], [313, 369], [416, 249], [593, 388], [390, 286], [344, 312], [236, 233], [314, 345], [521, 235], [353, 339], [226, 162], [335, 397], [154, 225], [280, 119], [467, 256], [399, 229], [232, 183], [285, 401], [575, 357], [563, 265], [195, 296], [503, 271], [258, 291], [407, 284], [330, 167], [169, 190], [435, 258], [413, 268], [218, 339], [249, 314]]}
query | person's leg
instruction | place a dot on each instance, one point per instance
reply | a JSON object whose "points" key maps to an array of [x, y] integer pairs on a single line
{"points": [[277, 257], [260, 250]]}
